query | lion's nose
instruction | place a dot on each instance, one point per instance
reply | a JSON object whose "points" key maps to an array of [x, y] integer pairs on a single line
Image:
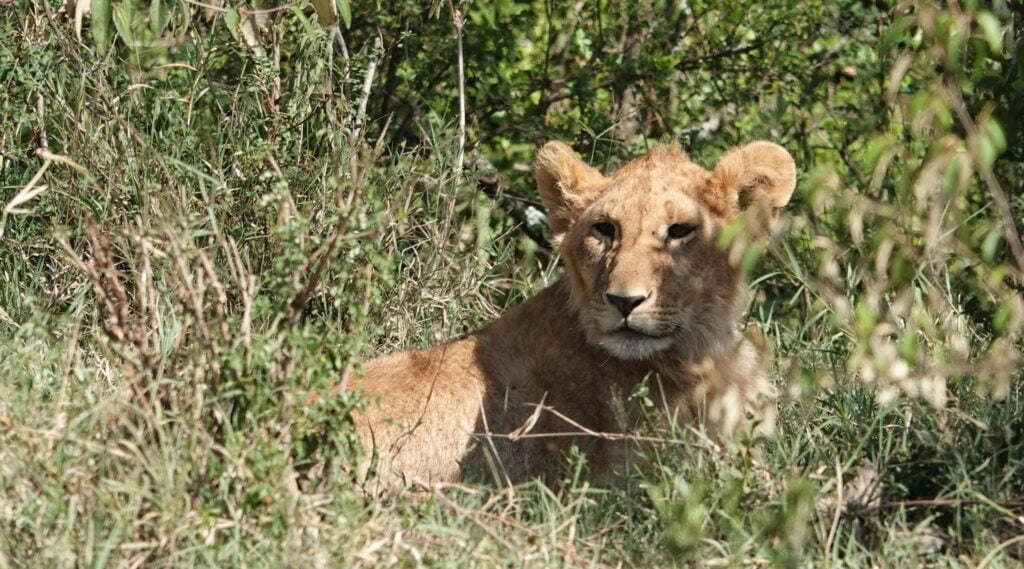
{"points": [[625, 304]]}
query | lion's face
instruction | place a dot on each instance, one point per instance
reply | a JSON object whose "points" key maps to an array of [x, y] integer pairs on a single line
{"points": [[645, 270], [640, 246]]}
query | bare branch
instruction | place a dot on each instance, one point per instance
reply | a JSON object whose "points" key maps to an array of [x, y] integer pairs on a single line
{"points": [[1010, 234], [461, 157], [694, 62], [364, 96]]}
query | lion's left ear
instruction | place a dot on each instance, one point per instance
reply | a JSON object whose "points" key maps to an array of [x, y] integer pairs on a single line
{"points": [[759, 173]]}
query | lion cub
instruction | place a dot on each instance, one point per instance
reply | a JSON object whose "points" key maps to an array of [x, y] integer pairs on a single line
{"points": [[647, 294]]}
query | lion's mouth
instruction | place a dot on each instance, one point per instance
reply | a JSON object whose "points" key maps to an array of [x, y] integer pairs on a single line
{"points": [[627, 332], [628, 343]]}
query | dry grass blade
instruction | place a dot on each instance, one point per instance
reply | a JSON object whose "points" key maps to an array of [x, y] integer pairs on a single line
{"points": [[24, 196], [529, 423], [6, 318], [27, 193], [524, 431], [81, 9], [998, 549]]}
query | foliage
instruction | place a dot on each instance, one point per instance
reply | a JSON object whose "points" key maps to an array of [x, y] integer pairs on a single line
{"points": [[214, 210]]}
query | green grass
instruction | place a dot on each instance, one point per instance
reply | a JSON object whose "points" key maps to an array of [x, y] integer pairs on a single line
{"points": [[166, 401]]}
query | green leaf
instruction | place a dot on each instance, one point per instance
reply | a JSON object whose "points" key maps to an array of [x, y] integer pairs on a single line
{"points": [[908, 345], [100, 19], [731, 230], [345, 11], [157, 17], [307, 25], [955, 45], [186, 15], [876, 148], [1001, 319], [124, 13], [995, 134], [232, 19], [985, 153], [992, 31], [895, 34], [952, 176], [990, 244], [751, 256]]}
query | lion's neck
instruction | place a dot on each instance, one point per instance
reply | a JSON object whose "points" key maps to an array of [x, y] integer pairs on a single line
{"points": [[546, 335], [556, 338], [550, 316]]}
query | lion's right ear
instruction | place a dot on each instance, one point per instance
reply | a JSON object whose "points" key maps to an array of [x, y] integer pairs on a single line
{"points": [[567, 185], [758, 173]]}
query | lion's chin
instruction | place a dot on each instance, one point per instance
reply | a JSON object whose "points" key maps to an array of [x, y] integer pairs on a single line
{"points": [[628, 345]]}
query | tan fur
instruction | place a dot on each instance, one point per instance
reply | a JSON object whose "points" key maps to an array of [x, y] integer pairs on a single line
{"points": [[431, 410]]}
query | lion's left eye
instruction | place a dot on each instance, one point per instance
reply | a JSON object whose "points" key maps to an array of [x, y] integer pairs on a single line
{"points": [[680, 230], [605, 229]]}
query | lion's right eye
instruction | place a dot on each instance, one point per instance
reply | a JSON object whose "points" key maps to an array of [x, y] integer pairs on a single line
{"points": [[604, 229], [681, 230]]}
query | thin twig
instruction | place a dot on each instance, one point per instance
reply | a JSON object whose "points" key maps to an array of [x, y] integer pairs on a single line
{"points": [[461, 156], [364, 97], [689, 62], [299, 302], [518, 434], [44, 141], [552, 99], [340, 39], [494, 449], [1010, 234], [222, 9], [938, 503]]}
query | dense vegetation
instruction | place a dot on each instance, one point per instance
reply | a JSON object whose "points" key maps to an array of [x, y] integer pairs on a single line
{"points": [[214, 210]]}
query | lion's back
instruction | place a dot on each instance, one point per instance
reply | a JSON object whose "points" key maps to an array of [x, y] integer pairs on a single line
{"points": [[422, 412]]}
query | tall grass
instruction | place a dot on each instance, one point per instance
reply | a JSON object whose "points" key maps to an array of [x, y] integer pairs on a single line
{"points": [[200, 243]]}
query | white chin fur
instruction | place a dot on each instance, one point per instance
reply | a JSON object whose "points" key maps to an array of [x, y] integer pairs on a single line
{"points": [[633, 348]]}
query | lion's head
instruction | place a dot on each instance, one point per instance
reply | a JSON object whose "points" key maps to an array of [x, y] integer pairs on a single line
{"points": [[641, 246]]}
